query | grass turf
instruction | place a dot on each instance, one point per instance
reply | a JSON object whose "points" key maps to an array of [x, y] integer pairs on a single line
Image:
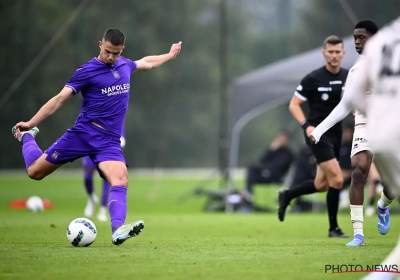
{"points": [[179, 240]]}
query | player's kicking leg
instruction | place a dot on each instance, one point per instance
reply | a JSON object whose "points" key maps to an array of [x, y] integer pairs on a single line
{"points": [[88, 168], [116, 174], [37, 167]]}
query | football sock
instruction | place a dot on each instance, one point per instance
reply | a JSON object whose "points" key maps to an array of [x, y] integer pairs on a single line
{"points": [[88, 182], [384, 202], [117, 206], [106, 192], [306, 187], [357, 218], [30, 150], [332, 201]]}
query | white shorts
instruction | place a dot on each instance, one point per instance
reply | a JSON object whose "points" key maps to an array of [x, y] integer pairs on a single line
{"points": [[360, 142]]}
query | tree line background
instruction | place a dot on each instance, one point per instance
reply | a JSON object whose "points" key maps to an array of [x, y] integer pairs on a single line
{"points": [[174, 111]]}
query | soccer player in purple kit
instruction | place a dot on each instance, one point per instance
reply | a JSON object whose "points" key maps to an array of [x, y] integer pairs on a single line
{"points": [[88, 173], [104, 82]]}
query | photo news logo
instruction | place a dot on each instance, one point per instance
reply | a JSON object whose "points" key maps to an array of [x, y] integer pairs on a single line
{"points": [[350, 268]]}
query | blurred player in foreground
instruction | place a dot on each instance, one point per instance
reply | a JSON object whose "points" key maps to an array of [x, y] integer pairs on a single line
{"points": [[105, 85], [380, 72], [361, 154]]}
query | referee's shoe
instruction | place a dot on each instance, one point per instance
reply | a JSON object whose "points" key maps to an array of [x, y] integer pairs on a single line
{"points": [[338, 233]]}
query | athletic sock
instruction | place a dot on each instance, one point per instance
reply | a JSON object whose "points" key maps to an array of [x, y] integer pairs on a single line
{"points": [[105, 194], [30, 150], [332, 201], [88, 182], [117, 206], [357, 219], [304, 188]]}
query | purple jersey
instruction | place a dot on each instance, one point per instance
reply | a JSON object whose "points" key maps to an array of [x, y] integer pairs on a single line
{"points": [[105, 91], [123, 124]]}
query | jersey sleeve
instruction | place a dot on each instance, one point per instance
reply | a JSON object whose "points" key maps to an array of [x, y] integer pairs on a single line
{"points": [[132, 64], [305, 89], [79, 80], [354, 95]]}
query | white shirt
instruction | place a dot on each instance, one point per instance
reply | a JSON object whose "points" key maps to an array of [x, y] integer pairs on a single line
{"points": [[359, 118]]}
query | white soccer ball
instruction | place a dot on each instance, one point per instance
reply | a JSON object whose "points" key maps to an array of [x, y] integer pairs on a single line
{"points": [[34, 204], [81, 232]]}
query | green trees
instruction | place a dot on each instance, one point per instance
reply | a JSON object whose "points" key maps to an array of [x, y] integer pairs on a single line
{"points": [[173, 115]]}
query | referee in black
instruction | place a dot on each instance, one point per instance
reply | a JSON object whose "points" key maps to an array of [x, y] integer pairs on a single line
{"points": [[322, 89]]}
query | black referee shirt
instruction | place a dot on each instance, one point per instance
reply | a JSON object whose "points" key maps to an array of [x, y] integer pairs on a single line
{"points": [[323, 91]]}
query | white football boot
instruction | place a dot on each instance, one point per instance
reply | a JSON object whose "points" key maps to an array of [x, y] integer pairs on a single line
{"points": [[127, 231]]}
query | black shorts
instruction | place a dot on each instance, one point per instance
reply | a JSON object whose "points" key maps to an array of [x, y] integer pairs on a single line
{"points": [[327, 148]]}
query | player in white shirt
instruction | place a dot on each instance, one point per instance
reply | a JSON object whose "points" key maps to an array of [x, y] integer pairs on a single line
{"points": [[381, 73], [361, 154]]}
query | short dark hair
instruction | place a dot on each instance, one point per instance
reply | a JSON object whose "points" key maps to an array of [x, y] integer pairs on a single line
{"points": [[115, 36], [368, 25], [333, 40]]}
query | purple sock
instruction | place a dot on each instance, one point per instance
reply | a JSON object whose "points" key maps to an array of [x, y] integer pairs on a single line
{"points": [[30, 150], [106, 192], [117, 206], [89, 182]]}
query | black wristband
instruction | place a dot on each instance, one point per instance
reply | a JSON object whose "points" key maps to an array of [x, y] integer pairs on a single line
{"points": [[305, 124]]}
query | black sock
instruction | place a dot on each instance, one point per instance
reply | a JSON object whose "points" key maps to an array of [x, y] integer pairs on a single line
{"points": [[332, 201], [306, 187], [372, 201]]}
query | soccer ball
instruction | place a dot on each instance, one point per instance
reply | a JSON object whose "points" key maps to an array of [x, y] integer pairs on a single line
{"points": [[34, 204], [81, 232]]}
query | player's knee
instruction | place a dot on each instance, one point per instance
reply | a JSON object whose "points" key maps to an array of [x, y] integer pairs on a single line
{"points": [[359, 176], [322, 188], [89, 170], [121, 180], [124, 181], [35, 174], [336, 182], [321, 185]]}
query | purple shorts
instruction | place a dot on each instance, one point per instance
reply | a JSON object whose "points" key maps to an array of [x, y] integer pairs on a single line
{"points": [[85, 139]]}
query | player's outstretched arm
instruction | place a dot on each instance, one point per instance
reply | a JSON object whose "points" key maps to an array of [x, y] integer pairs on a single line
{"points": [[337, 114], [154, 61], [47, 110]]}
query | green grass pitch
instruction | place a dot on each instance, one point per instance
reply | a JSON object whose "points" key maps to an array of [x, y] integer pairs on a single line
{"points": [[178, 242]]}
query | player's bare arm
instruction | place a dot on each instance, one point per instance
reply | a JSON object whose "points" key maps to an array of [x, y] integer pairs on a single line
{"points": [[151, 62], [47, 110], [297, 112]]}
